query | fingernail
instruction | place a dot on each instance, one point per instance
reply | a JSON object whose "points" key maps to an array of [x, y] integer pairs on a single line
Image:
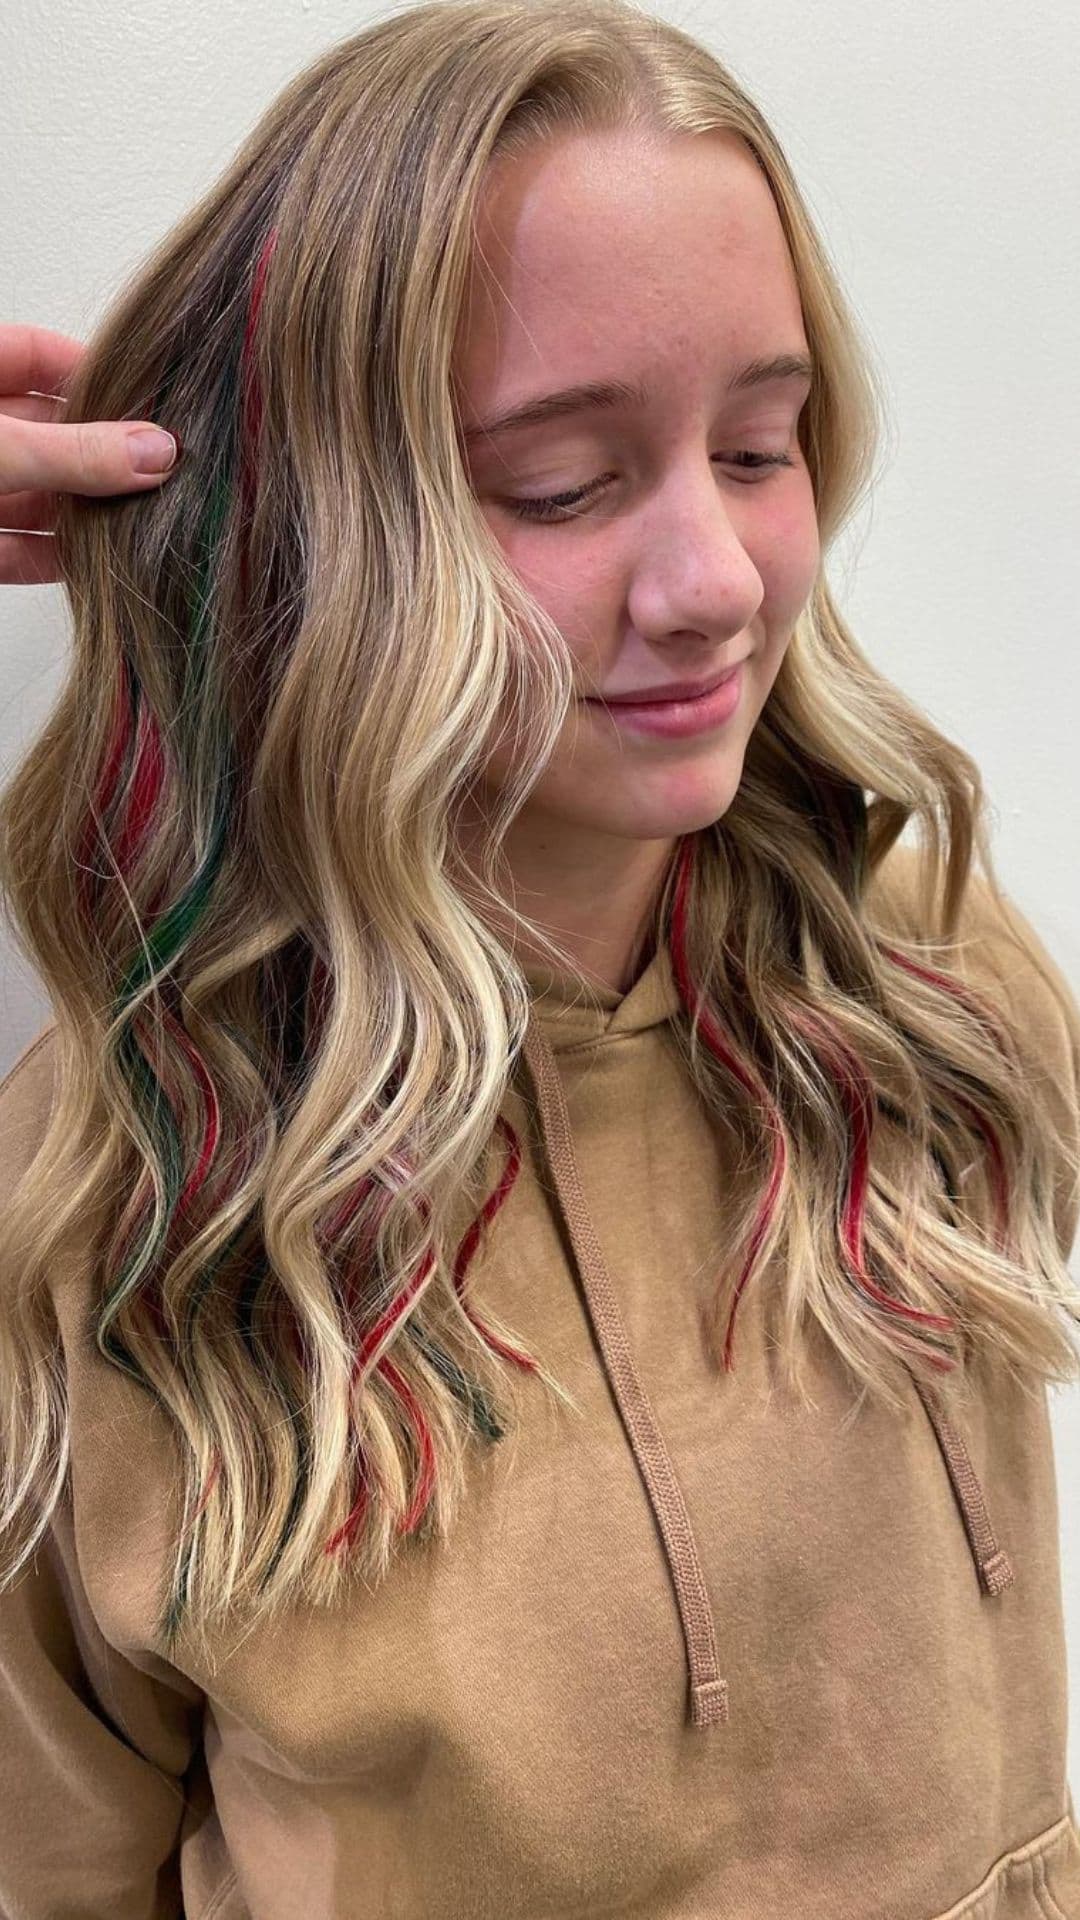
{"points": [[153, 450]]}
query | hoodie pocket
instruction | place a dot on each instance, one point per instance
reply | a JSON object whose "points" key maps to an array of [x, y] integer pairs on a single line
{"points": [[1039, 1880]]}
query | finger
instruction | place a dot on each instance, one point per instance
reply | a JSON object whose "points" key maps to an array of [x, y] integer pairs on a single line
{"points": [[33, 406], [27, 559], [27, 512], [36, 360], [92, 457]]}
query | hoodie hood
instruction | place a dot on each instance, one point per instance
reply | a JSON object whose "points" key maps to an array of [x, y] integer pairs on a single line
{"points": [[574, 1013], [569, 1014]]}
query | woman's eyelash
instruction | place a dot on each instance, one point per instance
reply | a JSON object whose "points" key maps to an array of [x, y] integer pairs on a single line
{"points": [[554, 505]]}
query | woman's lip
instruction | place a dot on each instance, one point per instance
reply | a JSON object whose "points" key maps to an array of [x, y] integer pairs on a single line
{"points": [[661, 699], [672, 719]]}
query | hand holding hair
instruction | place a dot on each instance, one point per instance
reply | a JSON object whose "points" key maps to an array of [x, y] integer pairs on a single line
{"points": [[40, 456]]}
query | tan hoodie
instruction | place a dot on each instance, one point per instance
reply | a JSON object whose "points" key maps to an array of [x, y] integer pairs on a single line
{"points": [[702, 1656]]}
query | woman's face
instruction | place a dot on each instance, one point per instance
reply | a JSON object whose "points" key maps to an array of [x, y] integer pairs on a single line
{"points": [[610, 258]]}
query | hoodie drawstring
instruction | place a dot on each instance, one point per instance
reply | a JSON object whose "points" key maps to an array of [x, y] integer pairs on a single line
{"points": [[708, 1691], [992, 1564]]}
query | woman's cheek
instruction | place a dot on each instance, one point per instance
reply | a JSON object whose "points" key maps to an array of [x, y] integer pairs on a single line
{"points": [[789, 554], [572, 583]]}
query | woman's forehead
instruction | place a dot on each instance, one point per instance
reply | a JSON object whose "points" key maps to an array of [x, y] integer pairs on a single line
{"points": [[578, 256]]}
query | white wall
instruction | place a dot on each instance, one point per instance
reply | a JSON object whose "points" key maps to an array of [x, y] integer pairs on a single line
{"points": [[937, 148]]}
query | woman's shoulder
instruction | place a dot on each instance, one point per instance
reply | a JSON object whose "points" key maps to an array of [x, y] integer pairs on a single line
{"points": [[26, 1099], [995, 946], [997, 950]]}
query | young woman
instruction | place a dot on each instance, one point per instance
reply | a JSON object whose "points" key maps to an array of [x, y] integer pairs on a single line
{"points": [[535, 1236]]}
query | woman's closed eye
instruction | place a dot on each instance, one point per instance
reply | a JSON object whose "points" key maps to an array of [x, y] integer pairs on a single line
{"points": [[556, 505]]}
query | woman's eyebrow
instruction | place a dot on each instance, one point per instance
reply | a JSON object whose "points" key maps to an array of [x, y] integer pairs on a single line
{"points": [[592, 395]]}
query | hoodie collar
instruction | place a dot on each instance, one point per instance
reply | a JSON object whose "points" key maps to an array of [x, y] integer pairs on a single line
{"points": [[575, 1013]]}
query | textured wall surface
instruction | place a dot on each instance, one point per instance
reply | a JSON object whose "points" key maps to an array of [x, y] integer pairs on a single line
{"points": [[937, 149]]}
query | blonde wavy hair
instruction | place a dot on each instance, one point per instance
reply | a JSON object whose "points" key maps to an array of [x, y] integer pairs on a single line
{"points": [[284, 1025]]}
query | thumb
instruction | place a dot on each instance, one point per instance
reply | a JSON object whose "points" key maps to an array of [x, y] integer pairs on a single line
{"points": [[91, 457]]}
